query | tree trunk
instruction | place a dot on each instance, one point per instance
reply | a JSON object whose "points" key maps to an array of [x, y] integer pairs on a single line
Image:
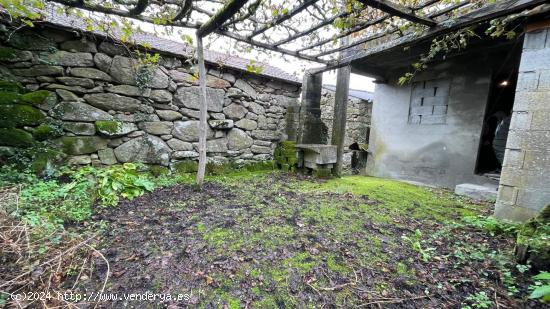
{"points": [[203, 113]]}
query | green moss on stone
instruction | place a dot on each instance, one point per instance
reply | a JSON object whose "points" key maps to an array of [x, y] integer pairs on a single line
{"points": [[9, 97], [77, 145], [11, 86], [109, 126], [43, 132], [322, 173], [15, 138], [16, 115], [285, 155], [158, 170], [35, 97], [7, 53], [184, 167]]}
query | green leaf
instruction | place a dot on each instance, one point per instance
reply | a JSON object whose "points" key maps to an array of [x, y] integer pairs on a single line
{"points": [[544, 275], [541, 291]]}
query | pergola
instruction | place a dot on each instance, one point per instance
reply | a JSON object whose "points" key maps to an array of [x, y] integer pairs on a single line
{"points": [[305, 30]]}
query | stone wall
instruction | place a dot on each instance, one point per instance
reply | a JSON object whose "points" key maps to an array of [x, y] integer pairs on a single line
{"points": [[107, 119], [357, 120], [524, 184]]}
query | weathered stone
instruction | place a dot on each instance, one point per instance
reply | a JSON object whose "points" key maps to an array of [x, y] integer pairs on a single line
{"points": [[128, 90], [256, 108], [67, 95], [136, 133], [162, 96], [178, 145], [77, 111], [107, 156], [190, 113], [260, 149], [38, 70], [112, 49], [238, 139], [244, 86], [49, 102], [75, 89], [267, 135], [57, 35], [90, 73], [79, 160], [65, 58], [170, 62], [146, 149], [28, 40], [111, 101], [246, 124], [212, 82], [103, 62], [157, 127], [45, 79], [217, 116], [160, 80], [169, 115], [137, 117], [189, 131], [112, 128], [234, 93], [235, 111], [8, 54], [180, 77], [75, 81], [79, 46], [78, 145], [219, 134], [184, 154], [225, 124], [284, 101], [79, 128], [189, 97], [166, 137], [216, 145]]}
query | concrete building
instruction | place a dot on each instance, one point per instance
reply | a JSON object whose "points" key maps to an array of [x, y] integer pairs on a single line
{"points": [[443, 127]]}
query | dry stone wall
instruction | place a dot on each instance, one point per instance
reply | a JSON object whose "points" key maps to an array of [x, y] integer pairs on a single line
{"points": [[358, 119], [108, 119]]}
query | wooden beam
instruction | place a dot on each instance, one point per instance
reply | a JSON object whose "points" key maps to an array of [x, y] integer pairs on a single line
{"points": [[225, 13], [283, 18], [269, 46], [140, 6], [203, 112], [499, 9], [185, 10], [347, 32], [312, 29], [388, 32], [395, 9]]}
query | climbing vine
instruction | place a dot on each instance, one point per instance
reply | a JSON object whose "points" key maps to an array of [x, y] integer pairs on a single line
{"points": [[145, 68]]}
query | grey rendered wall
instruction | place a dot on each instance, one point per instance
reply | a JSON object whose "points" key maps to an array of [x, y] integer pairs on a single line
{"points": [[525, 181], [437, 154]]}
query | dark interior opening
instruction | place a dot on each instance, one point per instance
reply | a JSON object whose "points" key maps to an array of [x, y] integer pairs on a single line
{"points": [[498, 115]]}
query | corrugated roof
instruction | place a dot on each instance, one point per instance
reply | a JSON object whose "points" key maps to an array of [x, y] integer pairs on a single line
{"points": [[359, 94], [172, 47]]}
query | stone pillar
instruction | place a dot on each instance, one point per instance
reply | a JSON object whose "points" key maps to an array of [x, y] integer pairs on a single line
{"points": [[340, 115], [311, 129], [525, 181]]}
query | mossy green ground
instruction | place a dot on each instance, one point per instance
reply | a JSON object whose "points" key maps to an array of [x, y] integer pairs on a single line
{"points": [[275, 240]]}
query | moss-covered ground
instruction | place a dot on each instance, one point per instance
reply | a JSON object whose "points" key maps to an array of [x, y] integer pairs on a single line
{"points": [[279, 240]]}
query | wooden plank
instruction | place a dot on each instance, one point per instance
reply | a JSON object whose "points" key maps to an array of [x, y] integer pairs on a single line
{"points": [[398, 10], [225, 13]]}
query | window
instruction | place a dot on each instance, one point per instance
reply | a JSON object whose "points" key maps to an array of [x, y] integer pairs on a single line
{"points": [[429, 102]]}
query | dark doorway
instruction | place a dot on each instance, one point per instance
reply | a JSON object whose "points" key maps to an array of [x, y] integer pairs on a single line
{"points": [[497, 117]]}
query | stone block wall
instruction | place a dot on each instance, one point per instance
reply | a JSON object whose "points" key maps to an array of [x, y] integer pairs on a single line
{"points": [[357, 120], [106, 118], [525, 181]]}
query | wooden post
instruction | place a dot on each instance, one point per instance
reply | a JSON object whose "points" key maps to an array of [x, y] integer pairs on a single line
{"points": [[340, 112], [340, 115], [203, 113]]}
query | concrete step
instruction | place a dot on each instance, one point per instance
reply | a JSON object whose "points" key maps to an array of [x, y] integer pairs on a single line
{"points": [[477, 192]]}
